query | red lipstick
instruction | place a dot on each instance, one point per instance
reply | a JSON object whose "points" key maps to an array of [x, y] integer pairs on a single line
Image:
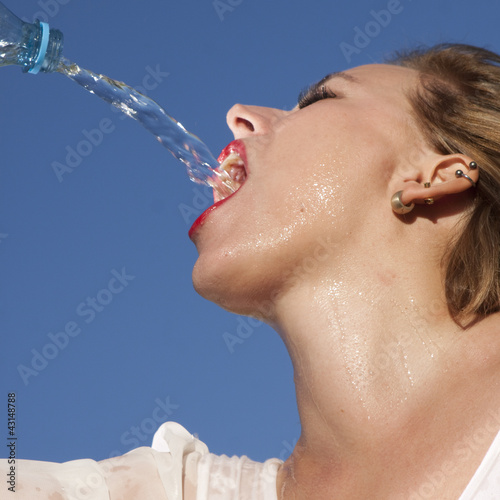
{"points": [[237, 147], [201, 219]]}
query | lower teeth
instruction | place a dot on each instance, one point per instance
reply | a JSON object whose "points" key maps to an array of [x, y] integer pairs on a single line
{"points": [[222, 184]]}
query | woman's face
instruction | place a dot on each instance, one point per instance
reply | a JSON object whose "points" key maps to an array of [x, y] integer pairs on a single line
{"points": [[317, 177]]}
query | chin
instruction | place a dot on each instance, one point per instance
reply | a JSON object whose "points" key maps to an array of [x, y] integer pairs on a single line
{"points": [[230, 287]]}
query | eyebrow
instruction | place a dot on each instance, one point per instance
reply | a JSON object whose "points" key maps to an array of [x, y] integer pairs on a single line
{"points": [[338, 74]]}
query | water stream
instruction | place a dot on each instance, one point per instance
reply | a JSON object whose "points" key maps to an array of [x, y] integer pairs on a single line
{"points": [[186, 147]]}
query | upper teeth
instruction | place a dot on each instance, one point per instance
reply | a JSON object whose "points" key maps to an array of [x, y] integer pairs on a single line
{"points": [[231, 175]]}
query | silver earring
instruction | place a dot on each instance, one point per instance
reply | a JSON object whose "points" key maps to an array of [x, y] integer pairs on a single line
{"points": [[459, 173], [398, 206]]}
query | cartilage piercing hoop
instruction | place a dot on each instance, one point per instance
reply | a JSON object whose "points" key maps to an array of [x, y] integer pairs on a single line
{"points": [[398, 206], [459, 173], [472, 166]]}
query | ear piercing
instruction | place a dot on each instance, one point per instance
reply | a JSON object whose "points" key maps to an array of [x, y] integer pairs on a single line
{"points": [[459, 173], [428, 201], [398, 206]]}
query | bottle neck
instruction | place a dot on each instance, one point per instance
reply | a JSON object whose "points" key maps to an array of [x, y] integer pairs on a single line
{"points": [[43, 48], [54, 52]]}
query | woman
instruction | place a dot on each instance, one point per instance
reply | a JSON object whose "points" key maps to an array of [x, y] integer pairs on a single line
{"points": [[366, 232]]}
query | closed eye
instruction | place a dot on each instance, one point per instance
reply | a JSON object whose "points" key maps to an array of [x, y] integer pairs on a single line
{"points": [[314, 93]]}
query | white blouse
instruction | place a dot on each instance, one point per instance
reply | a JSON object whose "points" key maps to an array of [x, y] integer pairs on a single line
{"points": [[179, 467], [485, 485]]}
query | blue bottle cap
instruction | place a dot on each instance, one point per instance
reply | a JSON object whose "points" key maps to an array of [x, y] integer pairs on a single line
{"points": [[43, 49]]}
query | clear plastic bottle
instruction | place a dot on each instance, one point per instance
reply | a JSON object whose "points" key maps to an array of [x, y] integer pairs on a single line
{"points": [[35, 47]]}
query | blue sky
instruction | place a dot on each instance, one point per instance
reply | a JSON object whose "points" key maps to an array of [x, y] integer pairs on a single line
{"points": [[114, 229]]}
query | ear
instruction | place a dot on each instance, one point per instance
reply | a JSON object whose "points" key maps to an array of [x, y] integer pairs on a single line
{"points": [[447, 174]]}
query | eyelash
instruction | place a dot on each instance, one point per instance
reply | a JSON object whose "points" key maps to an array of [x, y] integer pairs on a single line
{"points": [[314, 94]]}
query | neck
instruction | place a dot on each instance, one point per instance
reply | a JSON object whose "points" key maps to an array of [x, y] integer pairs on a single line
{"points": [[384, 382]]}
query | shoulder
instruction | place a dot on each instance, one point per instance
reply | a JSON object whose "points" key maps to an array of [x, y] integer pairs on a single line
{"points": [[157, 473], [215, 476], [167, 470], [178, 466]]}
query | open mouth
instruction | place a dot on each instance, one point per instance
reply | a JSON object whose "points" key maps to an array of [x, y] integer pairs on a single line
{"points": [[232, 171], [230, 176]]}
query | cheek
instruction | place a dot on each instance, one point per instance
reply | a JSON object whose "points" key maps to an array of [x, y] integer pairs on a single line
{"points": [[242, 264], [281, 223], [314, 167], [316, 195]]}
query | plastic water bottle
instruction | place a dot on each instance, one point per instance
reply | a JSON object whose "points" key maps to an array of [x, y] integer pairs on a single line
{"points": [[35, 47]]}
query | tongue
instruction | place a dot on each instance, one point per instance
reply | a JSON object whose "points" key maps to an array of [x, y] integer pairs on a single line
{"points": [[237, 173]]}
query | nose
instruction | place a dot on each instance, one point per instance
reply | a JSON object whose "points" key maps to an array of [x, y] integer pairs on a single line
{"points": [[245, 120]]}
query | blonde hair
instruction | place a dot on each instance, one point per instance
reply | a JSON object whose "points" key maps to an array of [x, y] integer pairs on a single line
{"points": [[457, 105]]}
